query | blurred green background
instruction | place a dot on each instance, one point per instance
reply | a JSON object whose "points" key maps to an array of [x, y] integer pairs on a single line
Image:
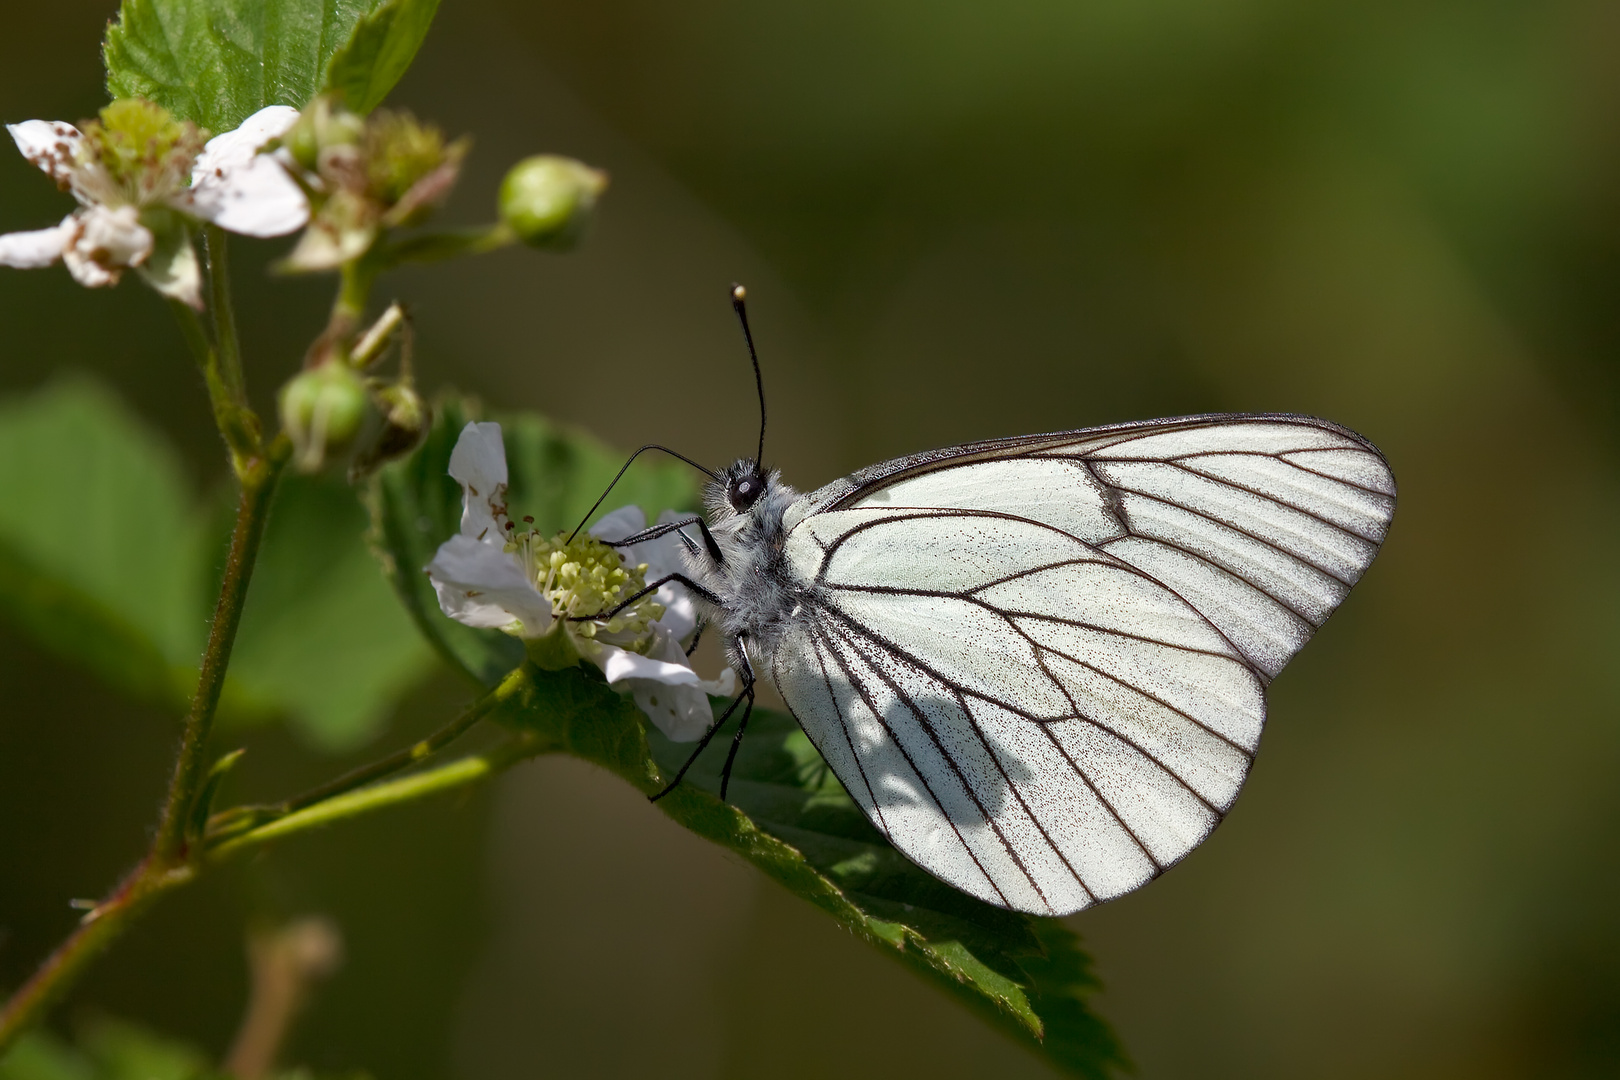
{"points": [[959, 220]]}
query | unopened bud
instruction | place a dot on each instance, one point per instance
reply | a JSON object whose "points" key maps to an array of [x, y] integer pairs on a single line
{"points": [[547, 200], [321, 411], [322, 126], [405, 420]]}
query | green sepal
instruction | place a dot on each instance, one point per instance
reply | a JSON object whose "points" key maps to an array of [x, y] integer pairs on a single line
{"points": [[554, 650], [203, 806]]}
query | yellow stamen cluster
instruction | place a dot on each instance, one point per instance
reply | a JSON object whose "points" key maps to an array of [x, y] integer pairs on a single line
{"points": [[585, 577], [144, 149]]}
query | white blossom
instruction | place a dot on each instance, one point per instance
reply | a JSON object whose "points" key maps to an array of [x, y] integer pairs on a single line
{"points": [[243, 191], [493, 574], [139, 220]]}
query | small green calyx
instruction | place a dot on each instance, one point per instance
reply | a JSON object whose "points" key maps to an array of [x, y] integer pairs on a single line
{"points": [[401, 153], [554, 650], [584, 577], [143, 148], [547, 200], [365, 176], [322, 127], [321, 411], [405, 420]]}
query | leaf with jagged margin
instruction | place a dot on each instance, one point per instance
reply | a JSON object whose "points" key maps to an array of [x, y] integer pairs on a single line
{"points": [[217, 62], [788, 814], [382, 47]]}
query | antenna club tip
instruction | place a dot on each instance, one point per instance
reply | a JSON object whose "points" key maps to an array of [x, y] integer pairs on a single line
{"points": [[738, 294]]}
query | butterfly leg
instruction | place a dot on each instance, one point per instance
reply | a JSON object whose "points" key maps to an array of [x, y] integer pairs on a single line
{"points": [[675, 527], [742, 725], [747, 692], [697, 636], [679, 579]]}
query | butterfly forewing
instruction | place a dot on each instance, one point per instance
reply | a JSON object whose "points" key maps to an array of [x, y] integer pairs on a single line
{"points": [[1038, 664]]}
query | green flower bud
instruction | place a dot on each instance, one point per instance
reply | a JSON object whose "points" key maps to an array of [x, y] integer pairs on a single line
{"points": [[547, 200], [322, 126], [405, 420], [409, 167], [321, 411]]}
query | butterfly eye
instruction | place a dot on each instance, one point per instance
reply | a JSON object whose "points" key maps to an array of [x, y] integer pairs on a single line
{"points": [[744, 491]]}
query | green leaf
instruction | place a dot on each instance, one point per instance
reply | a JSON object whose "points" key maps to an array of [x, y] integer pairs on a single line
{"points": [[111, 1049], [554, 476], [100, 542], [40, 1055], [789, 815], [322, 638], [125, 1051], [377, 55], [1028, 974], [216, 62], [109, 560], [791, 818]]}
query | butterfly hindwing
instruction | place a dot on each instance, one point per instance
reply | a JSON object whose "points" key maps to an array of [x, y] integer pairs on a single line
{"points": [[1039, 665]]}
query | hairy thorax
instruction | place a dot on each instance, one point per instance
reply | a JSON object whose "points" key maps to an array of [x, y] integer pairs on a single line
{"points": [[758, 592]]}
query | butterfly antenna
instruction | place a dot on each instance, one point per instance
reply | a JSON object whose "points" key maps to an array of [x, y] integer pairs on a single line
{"points": [[710, 473], [739, 298]]}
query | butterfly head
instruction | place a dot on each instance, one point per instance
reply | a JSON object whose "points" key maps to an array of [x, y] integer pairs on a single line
{"points": [[745, 481]]}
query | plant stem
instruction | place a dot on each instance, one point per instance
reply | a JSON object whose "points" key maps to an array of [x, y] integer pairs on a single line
{"points": [[354, 293], [343, 798], [167, 864], [191, 328], [459, 773], [228, 345], [143, 886], [95, 932], [258, 485], [365, 774], [235, 420]]}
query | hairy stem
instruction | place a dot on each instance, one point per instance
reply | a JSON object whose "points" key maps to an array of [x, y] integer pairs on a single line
{"points": [[459, 773], [236, 421], [168, 863], [258, 486], [354, 293], [96, 931], [227, 345], [143, 886], [243, 818], [346, 797]]}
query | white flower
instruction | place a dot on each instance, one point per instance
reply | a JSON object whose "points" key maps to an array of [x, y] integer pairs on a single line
{"points": [[133, 207], [493, 574], [243, 191]]}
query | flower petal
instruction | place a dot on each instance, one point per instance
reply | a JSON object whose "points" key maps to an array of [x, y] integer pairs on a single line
{"points": [[482, 585], [478, 463], [108, 242], [625, 521], [239, 189], [663, 555], [50, 145], [42, 247], [665, 687], [172, 267], [682, 713]]}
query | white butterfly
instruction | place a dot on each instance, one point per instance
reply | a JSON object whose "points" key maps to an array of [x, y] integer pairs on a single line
{"points": [[1039, 664]]}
